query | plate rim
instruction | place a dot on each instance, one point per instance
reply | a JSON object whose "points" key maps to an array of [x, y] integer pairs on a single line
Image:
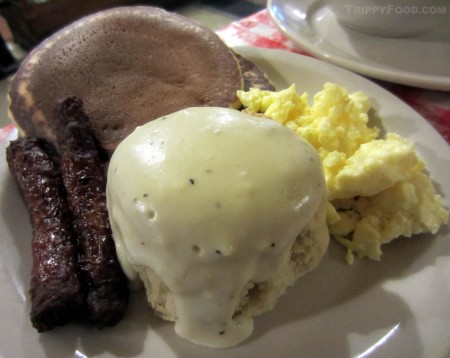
{"points": [[409, 78]]}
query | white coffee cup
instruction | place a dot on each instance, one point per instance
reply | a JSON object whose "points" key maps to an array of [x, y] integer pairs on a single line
{"points": [[394, 18]]}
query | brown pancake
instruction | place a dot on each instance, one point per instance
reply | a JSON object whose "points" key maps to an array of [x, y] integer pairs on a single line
{"points": [[129, 65], [253, 76]]}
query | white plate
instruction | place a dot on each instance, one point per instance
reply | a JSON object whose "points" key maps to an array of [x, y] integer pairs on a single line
{"points": [[421, 61], [399, 307]]}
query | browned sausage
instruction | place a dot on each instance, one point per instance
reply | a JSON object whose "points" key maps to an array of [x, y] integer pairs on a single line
{"points": [[85, 182], [55, 287]]}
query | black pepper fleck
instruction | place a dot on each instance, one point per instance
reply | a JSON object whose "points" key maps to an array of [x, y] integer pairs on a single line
{"points": [[145, 195], [192, 181], [218, 252], [222, 333], [273, 244]]}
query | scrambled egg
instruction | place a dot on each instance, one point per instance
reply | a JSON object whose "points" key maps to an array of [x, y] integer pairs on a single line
{"points": [[377, 187]]}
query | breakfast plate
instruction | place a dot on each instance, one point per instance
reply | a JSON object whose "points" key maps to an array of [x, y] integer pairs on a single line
{"points": [[420, 61], [397, 307]]}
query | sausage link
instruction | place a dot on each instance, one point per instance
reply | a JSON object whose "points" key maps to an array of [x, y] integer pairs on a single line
{"points": [[55, 288], [85, 182]]}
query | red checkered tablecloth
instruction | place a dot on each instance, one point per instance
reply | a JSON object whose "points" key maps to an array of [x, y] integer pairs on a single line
{"points": [[258, 30]]}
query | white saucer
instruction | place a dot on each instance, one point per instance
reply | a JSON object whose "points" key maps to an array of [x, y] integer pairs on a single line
{"points": [[421, 61]]}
